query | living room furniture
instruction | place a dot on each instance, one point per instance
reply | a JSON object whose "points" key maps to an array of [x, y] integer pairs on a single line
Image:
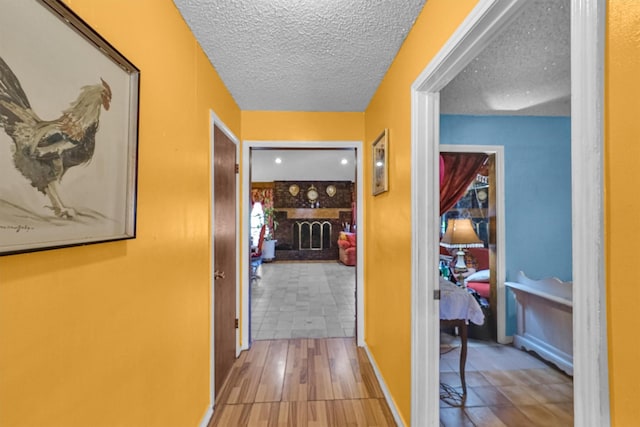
{"points": [[545, 319], [480, 280], [347, 248], [460, 235], [477, 276], [457, 309], [256, 255], [477, 279]]}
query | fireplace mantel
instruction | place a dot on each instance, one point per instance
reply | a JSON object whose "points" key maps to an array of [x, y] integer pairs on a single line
{"points": [[309, 213]]}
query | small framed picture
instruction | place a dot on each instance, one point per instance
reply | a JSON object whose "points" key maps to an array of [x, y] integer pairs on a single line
{"points": [[380, 166]]}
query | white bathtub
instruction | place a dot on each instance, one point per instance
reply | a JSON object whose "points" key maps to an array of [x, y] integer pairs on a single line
{"points": [[545, 319]]}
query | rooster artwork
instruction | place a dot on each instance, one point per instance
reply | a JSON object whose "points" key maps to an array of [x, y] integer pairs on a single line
{"points": [[43, 150]]}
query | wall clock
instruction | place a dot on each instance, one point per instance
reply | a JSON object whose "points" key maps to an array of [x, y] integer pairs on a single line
{"points": [[331, 190], [312, 194]]}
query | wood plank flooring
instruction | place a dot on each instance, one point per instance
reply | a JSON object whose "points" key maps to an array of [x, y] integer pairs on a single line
{"points": [[302, 382], [329, 382]]}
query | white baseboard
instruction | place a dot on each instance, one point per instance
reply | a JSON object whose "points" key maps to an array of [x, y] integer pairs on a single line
{"points": [[207, 417], [385, 390]]}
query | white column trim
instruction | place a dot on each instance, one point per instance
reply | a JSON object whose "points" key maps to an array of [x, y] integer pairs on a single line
{"points": [[591, 399], [591, 367]]}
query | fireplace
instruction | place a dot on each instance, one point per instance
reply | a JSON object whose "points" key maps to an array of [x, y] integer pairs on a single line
{"points": [[312, 235]]}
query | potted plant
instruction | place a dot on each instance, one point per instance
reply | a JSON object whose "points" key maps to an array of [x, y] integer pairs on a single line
{"points": [[269, 245]]}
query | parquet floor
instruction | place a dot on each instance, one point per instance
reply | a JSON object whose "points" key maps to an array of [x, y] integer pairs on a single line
{"points": [[302, 382]]}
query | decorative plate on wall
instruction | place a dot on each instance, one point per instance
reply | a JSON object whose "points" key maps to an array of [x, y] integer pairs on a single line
{"points": [[312, 194], [331, 190], [294, 190]]}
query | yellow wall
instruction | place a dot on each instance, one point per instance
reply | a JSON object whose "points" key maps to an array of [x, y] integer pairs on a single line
{"points": [[622, 175], [117, 334], [301, 126], [388, 216]]}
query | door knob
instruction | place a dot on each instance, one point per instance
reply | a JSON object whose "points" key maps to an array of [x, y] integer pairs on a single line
{"points": [[218, 275]]}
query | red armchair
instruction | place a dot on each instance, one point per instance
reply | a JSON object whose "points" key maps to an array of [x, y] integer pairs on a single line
{"points": [[480, 281], [347, 248]]}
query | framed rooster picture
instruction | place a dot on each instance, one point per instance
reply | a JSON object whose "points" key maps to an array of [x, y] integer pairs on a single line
{"points": [[68, 131]]}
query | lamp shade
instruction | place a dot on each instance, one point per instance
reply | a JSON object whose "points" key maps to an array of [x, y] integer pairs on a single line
{"points": [[460, 234]]}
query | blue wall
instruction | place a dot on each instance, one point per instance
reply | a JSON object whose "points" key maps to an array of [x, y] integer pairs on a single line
{"points": [[537, 153]]}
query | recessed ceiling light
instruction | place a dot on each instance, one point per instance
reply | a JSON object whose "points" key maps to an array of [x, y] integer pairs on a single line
{"points": [[344, 161], [278, 160]]}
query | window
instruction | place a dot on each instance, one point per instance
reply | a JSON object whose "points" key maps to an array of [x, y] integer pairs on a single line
{"points": [[257, 221]]}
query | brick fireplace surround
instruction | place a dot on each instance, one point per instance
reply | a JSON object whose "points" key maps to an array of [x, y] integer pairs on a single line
{"points": [[296, 219]]}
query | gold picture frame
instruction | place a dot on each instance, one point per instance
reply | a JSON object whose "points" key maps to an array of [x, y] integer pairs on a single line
{"points": [[380, 163]]}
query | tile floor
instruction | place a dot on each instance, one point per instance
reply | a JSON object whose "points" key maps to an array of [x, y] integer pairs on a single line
{"points": [[303, 300], [506, 387]]}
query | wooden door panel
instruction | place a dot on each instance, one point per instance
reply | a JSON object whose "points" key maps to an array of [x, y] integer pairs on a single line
{"points": [[224, 241]]}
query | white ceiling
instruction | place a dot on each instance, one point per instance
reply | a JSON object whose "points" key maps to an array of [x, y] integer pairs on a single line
{"points": [[301, 55], [303, 165], [330, 55]]}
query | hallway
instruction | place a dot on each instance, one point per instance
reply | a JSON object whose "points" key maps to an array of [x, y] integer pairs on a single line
{"points": [[302, 382], [330, 382]]}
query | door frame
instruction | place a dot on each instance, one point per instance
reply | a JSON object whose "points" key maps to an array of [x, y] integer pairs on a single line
{"points": [[498, 151], [488, 18], [213, 122], [246, 214]]}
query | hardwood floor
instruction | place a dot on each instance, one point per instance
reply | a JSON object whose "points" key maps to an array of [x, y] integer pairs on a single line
{"points": [[329, 382], [302, 382]]}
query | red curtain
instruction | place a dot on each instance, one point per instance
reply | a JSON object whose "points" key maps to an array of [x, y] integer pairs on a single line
{"points": [[262, 195], [458, 171]]}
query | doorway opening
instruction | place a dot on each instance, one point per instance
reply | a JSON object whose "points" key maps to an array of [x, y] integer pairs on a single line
{"points": [[225, 272], [591, 405], [484, 204], [303, 290]]}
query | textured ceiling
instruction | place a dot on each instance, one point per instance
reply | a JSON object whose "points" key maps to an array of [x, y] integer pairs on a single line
{"points": [[301, 55], [330, 55], [526, 70]]}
